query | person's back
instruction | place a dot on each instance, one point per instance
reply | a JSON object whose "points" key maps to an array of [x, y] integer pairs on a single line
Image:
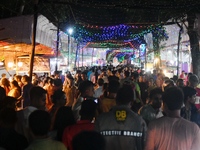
{"points": [[39, 125], [122, 128], [169, 133], [172, 132], [37, 100], [25, 90], [108, 101], [9, 138], [87, 112], [88, 140]]}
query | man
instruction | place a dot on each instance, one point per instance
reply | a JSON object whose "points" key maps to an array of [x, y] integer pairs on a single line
{"points": [[25, 91], [87, 113], [172, 132], [99, 90], [37, 101], [193, 82], [39, 125], [86, 89], [122, 128], [88, 140], [152, 110], [189, 111]]}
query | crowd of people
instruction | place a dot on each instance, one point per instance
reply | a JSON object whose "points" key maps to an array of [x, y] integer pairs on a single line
{"points": [[100, 108]]}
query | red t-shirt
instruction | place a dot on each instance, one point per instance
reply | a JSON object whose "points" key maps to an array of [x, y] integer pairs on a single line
{"points": [[71, 131]]}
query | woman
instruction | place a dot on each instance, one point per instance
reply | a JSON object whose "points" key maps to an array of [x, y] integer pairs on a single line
{"points": [[15, 90]]}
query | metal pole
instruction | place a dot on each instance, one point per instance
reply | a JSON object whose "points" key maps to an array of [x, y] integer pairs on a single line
{"points": [[82, 57], [145, 60], [179, 40], [92, 56], [33, 38], [68, 49], [57, 48], [76, 56]]}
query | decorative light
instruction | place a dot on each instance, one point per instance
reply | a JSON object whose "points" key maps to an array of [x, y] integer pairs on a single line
{"points": [[1, 63], [20, 64], [10, 64]]}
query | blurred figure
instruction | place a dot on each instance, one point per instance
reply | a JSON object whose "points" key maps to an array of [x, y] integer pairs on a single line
{"points": [[50, 90], [5, 83], [172, 131], [64, 117], [87, 113], [99, 90], [9, 102], [86, 89], [152, 110], [58, 100], [18, 79], [25, 91], [189, 111], [37, 101], [88, 140], [84, 76], [39, 125], [167, 84], [117, 125], [180, 83], [9, 138], [108, 101], [2, 95], [78, 79], [15, 90], [70, 91]]}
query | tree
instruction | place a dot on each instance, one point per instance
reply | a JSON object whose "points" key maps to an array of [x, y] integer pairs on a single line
{"points": [[194, 43]]}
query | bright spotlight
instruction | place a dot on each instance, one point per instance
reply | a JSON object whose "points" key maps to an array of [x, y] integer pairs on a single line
{"points": [[70, 31]]}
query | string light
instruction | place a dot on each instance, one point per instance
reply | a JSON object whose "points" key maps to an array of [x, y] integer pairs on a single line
{"points": [[126, 33]]}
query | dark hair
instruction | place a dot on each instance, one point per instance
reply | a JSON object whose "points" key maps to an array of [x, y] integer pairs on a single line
{"points": [[37, 92], [193, 79], [15, 83], [2, 93], [135, 74], [58, 82], [180, 82], [113, 86], [126, 73], [155, 91], [26, 78], [39, 122], [5, 82], [63, 118], [168, 83], [88, 109], [18, 77], [124, 95], [8, 102], [100, 82], [84, 86], [8, 118], [88, 140], [173, 98], [57, 96], [188, 92]]}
